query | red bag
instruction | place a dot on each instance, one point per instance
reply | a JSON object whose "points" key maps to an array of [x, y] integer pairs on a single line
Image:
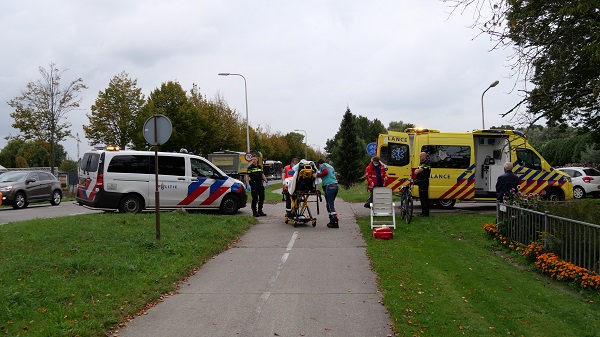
{"points": [[384, 233]]}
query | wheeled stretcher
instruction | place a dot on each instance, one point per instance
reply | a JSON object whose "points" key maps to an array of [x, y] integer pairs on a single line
{"points": [[301, 187]]}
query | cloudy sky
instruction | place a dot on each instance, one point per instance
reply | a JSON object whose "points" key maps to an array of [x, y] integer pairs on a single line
{"points": [[304, 61]]}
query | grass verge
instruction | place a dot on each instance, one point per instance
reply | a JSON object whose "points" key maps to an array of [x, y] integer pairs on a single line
{"points": [[81, 275], [441, 276]]}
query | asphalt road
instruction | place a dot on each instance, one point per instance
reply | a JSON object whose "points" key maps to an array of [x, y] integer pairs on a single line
{"points": [[41, 210]]}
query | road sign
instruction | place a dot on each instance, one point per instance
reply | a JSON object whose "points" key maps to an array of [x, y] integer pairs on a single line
{"points": [[248, 156], [372, 149], [164, 128]]}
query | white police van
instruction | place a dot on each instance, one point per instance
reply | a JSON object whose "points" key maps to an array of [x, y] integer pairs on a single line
{"points": [[125, 181]]}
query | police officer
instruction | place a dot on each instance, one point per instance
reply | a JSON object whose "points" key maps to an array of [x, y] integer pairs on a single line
{"points": [[422, 174], [254, 182]]}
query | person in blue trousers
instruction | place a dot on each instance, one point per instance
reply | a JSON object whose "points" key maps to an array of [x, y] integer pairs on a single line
{"points": [[330, 189]]}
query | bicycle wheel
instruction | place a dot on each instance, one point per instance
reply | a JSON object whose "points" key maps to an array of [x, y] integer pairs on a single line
{"points": [[409, 209], [402, 206]]}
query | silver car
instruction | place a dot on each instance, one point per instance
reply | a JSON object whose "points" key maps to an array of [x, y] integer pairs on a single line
{"points": [[586, 180], [19, 188]]}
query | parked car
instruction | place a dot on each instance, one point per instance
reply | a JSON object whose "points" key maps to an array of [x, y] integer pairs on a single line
{"points": [[19, 188], [586, 180]]}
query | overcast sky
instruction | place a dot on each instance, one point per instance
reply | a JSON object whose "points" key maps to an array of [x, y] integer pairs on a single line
{"points": [[304, 61]]}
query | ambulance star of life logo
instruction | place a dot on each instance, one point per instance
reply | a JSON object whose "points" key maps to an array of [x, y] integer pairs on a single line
{"points": [[398, 153]]}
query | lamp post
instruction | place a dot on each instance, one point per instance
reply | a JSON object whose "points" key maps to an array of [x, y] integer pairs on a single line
{"points": [[246, 96], [305, 144], [482, 115], [318, 150]]}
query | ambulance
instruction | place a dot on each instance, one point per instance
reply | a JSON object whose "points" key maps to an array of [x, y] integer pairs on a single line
{"points": [[111, 179], [466, 165]]}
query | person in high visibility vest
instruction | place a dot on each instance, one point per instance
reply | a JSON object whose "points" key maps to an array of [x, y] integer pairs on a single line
{"points": [[254, 182], [288, 173]]}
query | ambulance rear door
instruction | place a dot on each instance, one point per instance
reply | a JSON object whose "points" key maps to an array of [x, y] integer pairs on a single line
{"points": [[394, 150]]}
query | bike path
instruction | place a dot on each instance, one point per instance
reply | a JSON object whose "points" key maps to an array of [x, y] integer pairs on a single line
{"points": [[278, 280]]}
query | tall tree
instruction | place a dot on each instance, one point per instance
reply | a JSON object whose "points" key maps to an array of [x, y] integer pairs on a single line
{"points": [[171, 101], [115, 112], [557, 48], [347, 159], [42, 107]]}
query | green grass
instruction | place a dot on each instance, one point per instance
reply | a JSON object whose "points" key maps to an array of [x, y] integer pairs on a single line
{"points": [[440, 276], [81, 275]]}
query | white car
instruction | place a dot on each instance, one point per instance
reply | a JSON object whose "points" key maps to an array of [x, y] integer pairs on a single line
{"points": [[586, 180]]}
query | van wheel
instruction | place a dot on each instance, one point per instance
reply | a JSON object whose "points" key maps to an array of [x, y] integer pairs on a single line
{"points": [[131, 204], [56, 198], [446, 203], [20, 201], [554, 195], [230, 205]]}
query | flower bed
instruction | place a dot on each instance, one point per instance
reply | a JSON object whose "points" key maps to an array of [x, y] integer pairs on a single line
{"points": [[548, 262]]}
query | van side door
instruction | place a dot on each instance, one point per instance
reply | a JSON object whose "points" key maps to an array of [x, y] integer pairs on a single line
{"points": [[172, 180]]}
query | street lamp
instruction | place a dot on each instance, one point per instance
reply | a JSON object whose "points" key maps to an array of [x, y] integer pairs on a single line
{"points": [[482, 115], [318, 150], [246, 95], [305, 144]]}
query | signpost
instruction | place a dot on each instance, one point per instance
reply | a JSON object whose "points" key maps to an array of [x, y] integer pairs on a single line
{"points": [[157, 131]]}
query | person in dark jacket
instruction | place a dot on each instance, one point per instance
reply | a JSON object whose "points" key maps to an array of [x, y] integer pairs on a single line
{"points": [[422, 174], [254, 182], [507, 181]]}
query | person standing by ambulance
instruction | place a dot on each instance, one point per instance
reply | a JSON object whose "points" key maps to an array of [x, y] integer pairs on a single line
{"points": [[254, 182], [288, 173], [422, 174], [330, 188], [376, 176]]}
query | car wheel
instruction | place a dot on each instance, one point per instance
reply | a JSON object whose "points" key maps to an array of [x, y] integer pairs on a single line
{"points": [[230, 205], [56, 198], [131, 204], [446, 203], [578, 192], [554, 195], [20, 201]]}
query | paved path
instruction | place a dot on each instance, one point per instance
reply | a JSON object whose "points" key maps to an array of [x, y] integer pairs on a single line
{"points": [[279, 281]]}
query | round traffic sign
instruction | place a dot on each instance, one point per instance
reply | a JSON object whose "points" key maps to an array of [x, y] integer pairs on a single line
{"points": [[164, 128], [248, 156]]}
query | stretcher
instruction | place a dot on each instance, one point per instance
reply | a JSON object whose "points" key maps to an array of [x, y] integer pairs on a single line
{"points": [[301, 187]]}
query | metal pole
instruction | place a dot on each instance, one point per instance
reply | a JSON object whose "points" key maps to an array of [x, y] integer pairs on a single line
{"points": [[305, 143], [246, 96], [482, 114], [156, 193]]}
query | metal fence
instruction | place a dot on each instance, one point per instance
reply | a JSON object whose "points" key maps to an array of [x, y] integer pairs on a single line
{"points": [[573, 241]]}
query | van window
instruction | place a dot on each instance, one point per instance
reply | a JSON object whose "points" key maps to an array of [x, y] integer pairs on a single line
{"points": [[448, 156], [172, 166], [89, 162], [528, 158], [131, 164], [201, 168], [395, 154]]}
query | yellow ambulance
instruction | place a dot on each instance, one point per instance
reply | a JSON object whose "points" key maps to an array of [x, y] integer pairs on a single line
{"points": [[466, 165]]}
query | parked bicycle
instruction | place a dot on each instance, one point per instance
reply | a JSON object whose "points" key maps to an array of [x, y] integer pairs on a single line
{"points": [[406, 201]]}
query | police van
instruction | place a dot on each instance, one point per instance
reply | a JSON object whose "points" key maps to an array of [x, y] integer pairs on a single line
{"points": [[466, 165], [126, 181]]}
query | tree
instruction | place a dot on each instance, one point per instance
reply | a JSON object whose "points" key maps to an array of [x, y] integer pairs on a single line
{"points": [[556, 47], [347, 161], [171, 101], [115, 113], [41, 108], [399, 126], [9, 153]]}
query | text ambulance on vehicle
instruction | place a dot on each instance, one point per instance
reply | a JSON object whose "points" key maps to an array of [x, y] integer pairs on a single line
{"points": [[126, 181], [466, 165]]}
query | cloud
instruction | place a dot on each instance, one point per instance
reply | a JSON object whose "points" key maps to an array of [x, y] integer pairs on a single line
{"points": [[304, 62]]}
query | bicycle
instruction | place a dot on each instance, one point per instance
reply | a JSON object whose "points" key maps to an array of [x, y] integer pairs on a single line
{"points": [[406, 201]]}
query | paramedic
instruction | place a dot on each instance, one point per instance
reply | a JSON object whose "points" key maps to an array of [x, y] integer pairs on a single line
{"points": [[254, 182], [422, 174], [330, 188], [288, 173], [376, 177], [506, 182]]}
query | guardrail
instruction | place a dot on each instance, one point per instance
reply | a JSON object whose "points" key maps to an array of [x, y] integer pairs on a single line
{"points": [[573, 241]]}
